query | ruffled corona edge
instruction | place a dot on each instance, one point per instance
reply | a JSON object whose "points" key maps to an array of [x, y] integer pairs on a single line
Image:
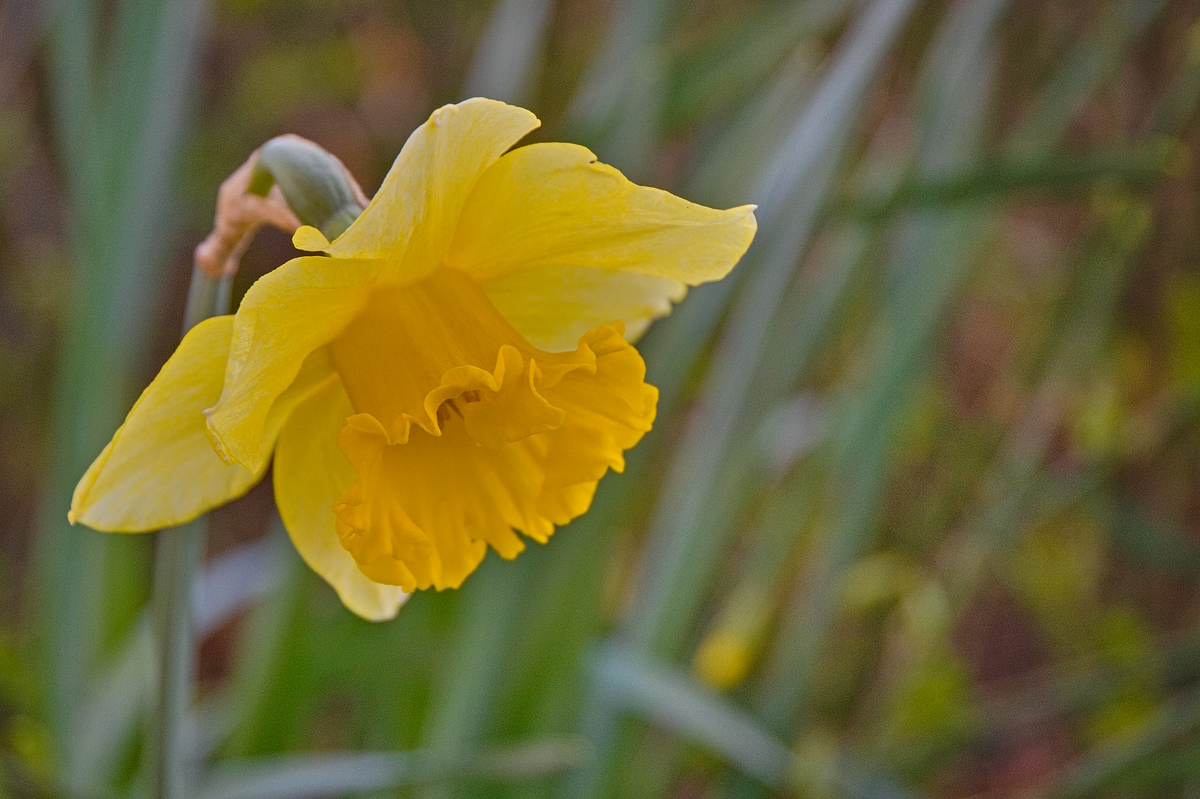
{"points": [[520, 448]]}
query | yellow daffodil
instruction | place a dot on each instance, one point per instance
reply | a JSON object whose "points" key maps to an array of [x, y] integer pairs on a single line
{"points": [[450, 370]]}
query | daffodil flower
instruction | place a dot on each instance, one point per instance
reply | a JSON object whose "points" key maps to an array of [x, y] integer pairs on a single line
{"points": [[452, 369]]}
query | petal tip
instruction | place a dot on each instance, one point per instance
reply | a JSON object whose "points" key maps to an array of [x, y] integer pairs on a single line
{"points": [[498, 104], [745, 215], [309, 239], [380, 611], [227, 456]]}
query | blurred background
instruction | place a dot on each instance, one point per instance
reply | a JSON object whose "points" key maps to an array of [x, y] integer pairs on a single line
{"points": [[920, 516]]}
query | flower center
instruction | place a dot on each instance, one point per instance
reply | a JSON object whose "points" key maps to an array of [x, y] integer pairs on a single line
{"points": [[438, 350], [465, 432]]}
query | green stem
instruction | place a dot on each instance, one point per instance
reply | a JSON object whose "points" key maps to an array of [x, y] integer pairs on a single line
{"points": [[207, 296], [177, 561]]}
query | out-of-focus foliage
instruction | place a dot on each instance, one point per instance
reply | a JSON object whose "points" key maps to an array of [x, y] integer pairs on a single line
{"points": [[920, 515]]}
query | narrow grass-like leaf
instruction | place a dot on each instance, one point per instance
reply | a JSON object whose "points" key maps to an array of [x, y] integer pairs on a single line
{"points": [[315, 775], [617, 108], [504, 64], [178, 557], [652, 691], [1050, 176], [739, 55], [669, 698], [1177, 717]]}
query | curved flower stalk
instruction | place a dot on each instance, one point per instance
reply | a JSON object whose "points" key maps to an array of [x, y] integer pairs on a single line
{"points": [[452, 369]]}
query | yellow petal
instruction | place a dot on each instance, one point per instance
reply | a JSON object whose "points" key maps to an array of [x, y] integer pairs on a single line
{"points": [[308, 239], [554, 205], [553, 306], [310, 474], [465, 433], [608, 409], [284, 317], [159, 470], [413, 215]]}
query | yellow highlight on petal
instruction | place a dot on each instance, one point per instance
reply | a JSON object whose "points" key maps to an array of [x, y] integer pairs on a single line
{"points": [[723, 660]]}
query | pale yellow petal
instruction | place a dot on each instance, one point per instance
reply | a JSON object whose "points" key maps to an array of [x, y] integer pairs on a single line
{"points": [[413, 216], [284, 317], [160, 470], [554, 205], [310, 474], [553, 306]]}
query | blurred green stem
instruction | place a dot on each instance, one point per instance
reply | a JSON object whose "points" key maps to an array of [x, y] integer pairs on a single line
{"points": [[492, 601], [177, 561], [207, 296], [180, 552]]}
